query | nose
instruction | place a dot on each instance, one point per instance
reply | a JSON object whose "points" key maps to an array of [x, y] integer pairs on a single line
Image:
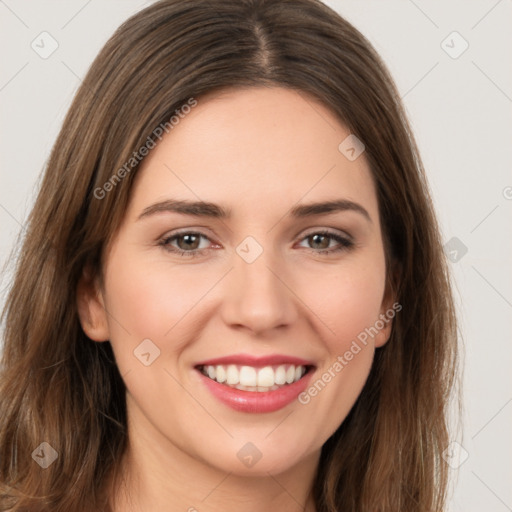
{"points": [[257, 297]]}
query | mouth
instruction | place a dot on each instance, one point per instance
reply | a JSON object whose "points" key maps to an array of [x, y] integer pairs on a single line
{"points": [[255, 379], [255, 384]]}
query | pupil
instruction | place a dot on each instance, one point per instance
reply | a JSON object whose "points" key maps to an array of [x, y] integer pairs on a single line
{"points": [[188, 239], [322, 246]]}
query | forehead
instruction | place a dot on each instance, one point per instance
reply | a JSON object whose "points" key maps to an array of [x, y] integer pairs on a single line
{"points": [[254, 149]]}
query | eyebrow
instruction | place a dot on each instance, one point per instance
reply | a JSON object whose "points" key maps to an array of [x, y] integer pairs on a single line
{"points": [[207, 209]]}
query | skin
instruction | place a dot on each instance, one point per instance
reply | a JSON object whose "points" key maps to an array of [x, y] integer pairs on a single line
{"points": [[258, 152]]}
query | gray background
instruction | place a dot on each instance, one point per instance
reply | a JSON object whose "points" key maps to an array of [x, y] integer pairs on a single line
{"points": [[460, 108]]}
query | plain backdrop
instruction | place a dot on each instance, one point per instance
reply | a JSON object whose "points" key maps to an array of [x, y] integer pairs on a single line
{"points": [[451, 62]]}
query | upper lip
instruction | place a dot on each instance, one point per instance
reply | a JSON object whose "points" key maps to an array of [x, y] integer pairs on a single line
{"points": [[256, 361]]}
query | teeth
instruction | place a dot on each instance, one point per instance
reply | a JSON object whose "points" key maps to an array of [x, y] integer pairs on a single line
{"points": [[248, 378], [266, 377], [221, 374], [280, 375], [232, 375]]}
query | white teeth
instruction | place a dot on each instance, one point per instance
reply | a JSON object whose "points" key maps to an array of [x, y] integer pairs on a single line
{"points": [[280, 375], [249, 378], [221, 374], [256, 388], [266, 377], [232, 375]]}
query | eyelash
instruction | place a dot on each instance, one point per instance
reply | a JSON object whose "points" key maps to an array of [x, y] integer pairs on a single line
{"points": [[344, 243]]}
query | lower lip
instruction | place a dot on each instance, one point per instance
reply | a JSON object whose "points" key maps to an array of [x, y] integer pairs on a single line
{"points": [[254, 401]]}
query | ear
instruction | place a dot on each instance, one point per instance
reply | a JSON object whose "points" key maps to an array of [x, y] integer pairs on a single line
{"points": [[91, 307], [389, 309]]}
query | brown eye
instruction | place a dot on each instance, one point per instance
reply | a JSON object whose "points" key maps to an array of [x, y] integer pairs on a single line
{"points": [[185, 243], [319, 241], [188, 241]]}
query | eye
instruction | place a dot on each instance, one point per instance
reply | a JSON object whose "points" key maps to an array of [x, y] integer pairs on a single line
{"points": [[322, 240], [186, 243]]}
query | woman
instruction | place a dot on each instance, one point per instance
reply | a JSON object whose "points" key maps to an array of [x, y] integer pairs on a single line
{"points": [[232, 291]]}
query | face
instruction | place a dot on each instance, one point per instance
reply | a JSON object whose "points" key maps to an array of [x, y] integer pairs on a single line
{"points": [[253, 288]]}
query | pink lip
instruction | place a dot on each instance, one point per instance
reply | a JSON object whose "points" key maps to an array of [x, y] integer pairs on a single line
{"points": [[253, 401], [248, 360]]}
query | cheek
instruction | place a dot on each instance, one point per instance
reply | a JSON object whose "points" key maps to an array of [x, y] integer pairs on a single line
{"points": [[149, 300], [347, 299]]}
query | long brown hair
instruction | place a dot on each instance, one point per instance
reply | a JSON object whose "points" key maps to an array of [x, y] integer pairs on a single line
{"points": [[59, 387]]}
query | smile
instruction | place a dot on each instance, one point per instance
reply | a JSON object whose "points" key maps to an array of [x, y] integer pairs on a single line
{"points": [[260, 385], [249, 378]]}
